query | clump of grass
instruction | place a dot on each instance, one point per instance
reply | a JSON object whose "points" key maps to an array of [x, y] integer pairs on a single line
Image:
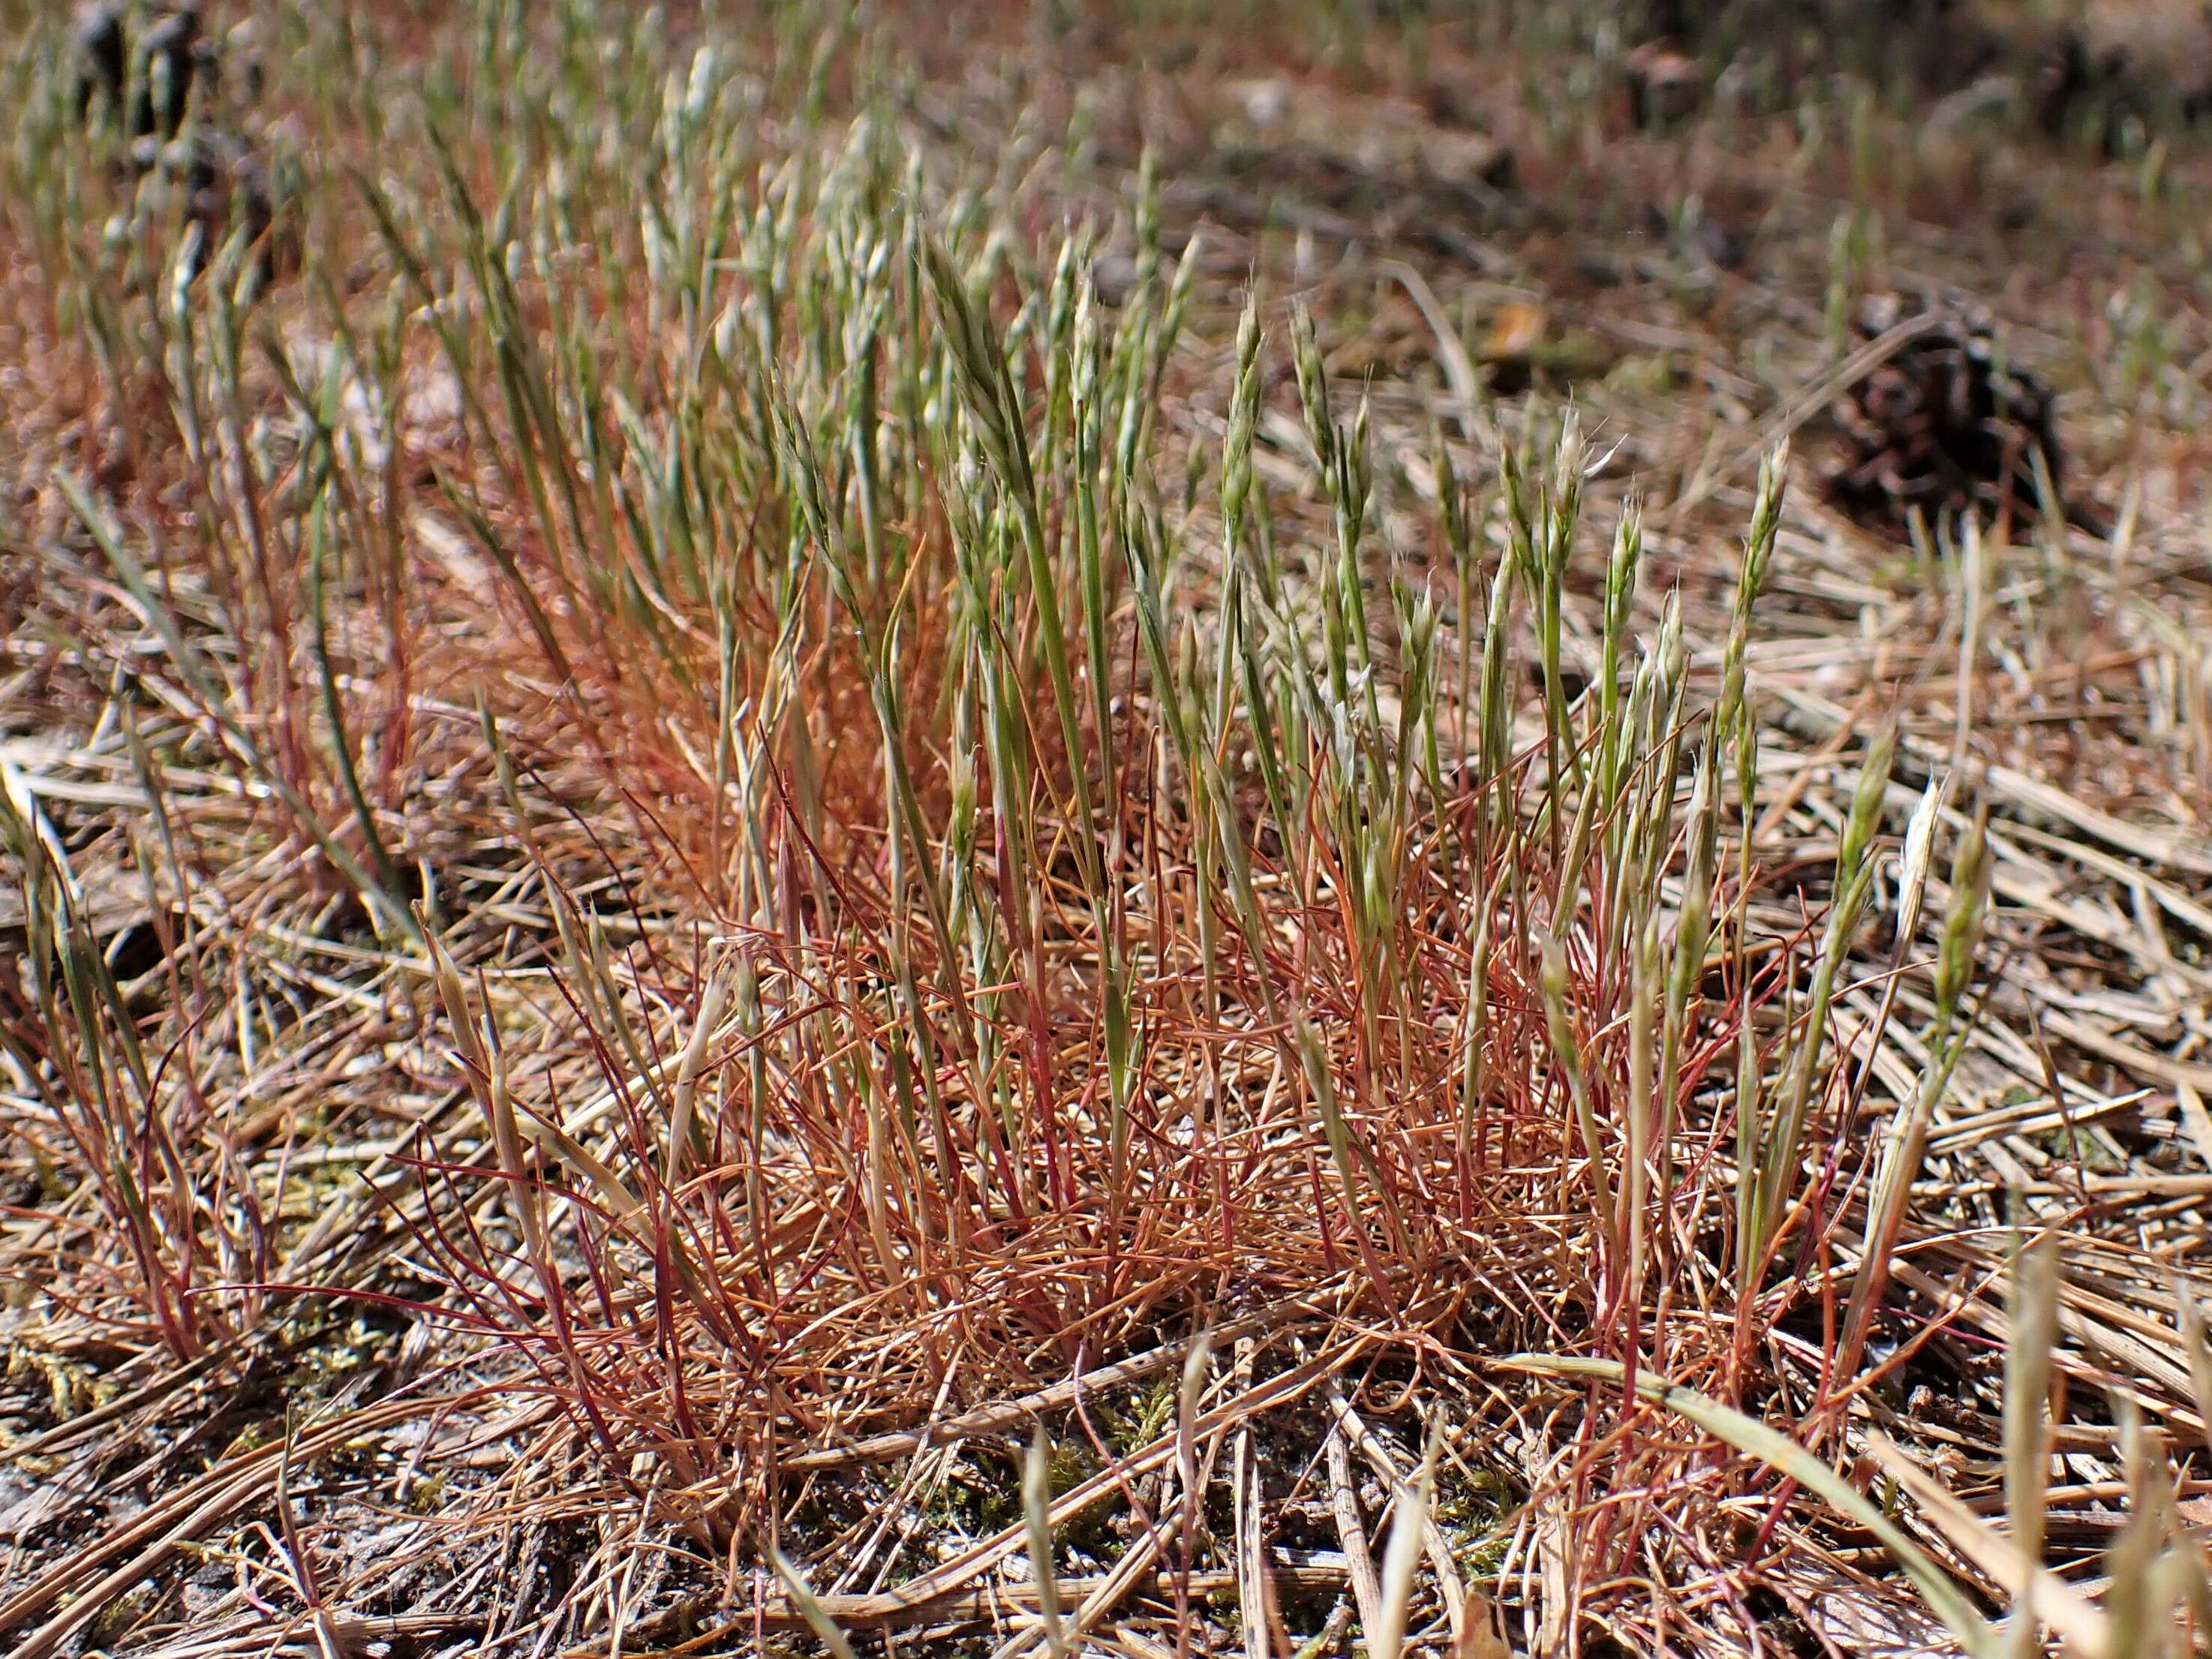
{"points": [[912, 878]]}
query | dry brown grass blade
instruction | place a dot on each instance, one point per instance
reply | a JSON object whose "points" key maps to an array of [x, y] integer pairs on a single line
{"points": [[140, 1547], [87, 1423], [1478, 1638], [2016, 789], [950, 1575], [2197, 1120], [2131, 1056], [1459, 368], [974, 1605], [2032, 1313], [1786, 1456], [2076, 1619], [998, 1417], [2196, 1348]]}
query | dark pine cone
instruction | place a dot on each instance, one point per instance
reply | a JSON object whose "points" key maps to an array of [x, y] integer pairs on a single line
{"points": [[1942, 427]]}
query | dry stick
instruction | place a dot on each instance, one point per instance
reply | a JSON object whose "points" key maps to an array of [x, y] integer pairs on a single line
{"points": [[1253, 1589], [1435, 1543], [1001, 1415], [1366, 1587], [1250, 1553]]}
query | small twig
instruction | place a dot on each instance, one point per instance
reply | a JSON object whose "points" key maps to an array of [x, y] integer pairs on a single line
{"points": [[1351, 1532], [997, 1418]]}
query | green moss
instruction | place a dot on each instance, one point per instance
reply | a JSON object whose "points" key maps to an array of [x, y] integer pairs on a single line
{"points": [[1471, 1512]]}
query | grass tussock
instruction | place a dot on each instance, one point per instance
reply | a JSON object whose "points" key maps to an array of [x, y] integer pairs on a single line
{"points": [[749, 874]]}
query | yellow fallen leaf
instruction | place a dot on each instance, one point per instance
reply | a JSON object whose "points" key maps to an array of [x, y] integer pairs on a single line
{"points": [[1516, 331]]}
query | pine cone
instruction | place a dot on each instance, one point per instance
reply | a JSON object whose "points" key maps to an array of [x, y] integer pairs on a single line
{"points": [[1942, 426]]}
